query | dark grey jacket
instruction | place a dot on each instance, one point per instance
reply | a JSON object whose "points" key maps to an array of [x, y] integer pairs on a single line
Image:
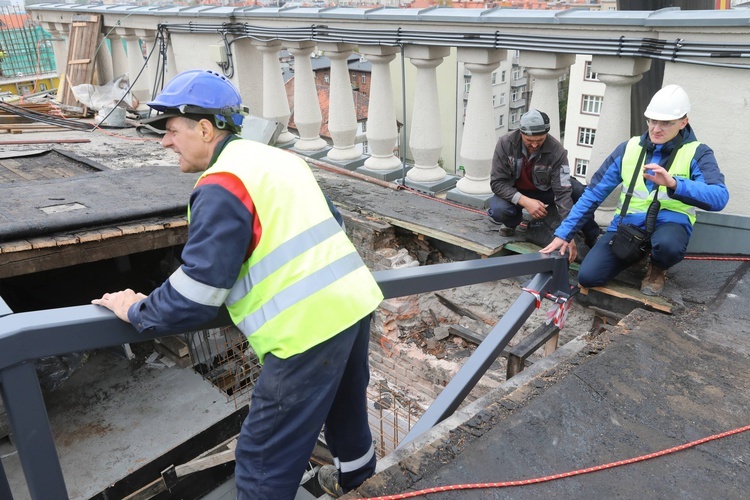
{"points": [[551, 170]]}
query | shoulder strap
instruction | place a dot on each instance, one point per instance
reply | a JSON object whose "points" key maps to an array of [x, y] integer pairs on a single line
{"points": [[631, 187]]}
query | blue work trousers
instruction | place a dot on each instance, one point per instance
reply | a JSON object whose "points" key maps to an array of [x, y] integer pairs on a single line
{"points": [[668, 247], [291, 401]]}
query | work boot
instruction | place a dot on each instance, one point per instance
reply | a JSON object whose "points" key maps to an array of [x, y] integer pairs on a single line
{"points": [[653, 283], [507, 231], [328, 479]]}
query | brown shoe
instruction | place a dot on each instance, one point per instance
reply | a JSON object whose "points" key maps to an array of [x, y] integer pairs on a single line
{"points": [[653, 283]]}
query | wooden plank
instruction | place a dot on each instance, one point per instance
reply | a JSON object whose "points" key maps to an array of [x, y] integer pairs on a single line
{"points": [[132, 229], [82, 43], [175, 344], [182, 362], [43, 242], [624, 292], [466, 334], [149, 491], [436, 233], [16, 258], [10, 247], [110, 232], [204, 463]]}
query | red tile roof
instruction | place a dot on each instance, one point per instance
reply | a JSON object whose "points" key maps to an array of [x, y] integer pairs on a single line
{"points": [[361, 105]]}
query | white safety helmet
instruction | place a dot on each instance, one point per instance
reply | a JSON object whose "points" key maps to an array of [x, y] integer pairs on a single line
{"points": [[670, 103]]}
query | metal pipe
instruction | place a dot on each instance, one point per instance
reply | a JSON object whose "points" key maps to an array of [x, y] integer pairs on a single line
{"points": [[28, 418]]}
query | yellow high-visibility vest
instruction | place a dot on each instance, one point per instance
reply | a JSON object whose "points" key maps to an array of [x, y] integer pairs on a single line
{"points": [[304, 282], [641, 197]]}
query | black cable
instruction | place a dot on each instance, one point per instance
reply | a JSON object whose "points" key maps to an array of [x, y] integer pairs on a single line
{"points": [[648, 48], [45, 118]]}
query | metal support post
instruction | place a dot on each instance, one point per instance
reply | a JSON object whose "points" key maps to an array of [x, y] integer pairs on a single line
{"points": [[4, 486], [29, 423], [475, 367], [410, 281]]}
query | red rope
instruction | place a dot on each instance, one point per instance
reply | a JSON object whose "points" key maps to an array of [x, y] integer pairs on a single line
{"points": [[445, 202], [457, 487], [708, 257]]}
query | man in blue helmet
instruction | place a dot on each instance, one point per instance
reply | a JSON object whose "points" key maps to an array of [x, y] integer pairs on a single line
{"points": [[286, 276]]}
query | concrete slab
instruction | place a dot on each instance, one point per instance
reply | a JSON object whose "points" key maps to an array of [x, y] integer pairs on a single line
{"points": [[111, 418]]}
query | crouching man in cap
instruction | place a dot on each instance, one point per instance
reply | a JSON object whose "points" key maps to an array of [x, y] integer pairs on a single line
{"points": [[530, 171]]}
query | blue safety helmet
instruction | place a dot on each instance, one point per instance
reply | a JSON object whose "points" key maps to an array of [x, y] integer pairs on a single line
{"points": [[199, 92]]}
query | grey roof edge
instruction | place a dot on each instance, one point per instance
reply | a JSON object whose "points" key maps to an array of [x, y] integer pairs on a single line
{"points": [[667, 17]]}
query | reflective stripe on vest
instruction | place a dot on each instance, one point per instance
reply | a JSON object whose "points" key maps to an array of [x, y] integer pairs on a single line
{"points": [[304, 281], [641, 198]]}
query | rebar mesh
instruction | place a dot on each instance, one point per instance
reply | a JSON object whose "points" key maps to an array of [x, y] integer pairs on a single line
{"points": [[224, 358], [391, 414], [25, 48]]}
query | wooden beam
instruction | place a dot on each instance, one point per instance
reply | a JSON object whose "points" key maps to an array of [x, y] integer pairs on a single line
{"points": [[19, 258]]}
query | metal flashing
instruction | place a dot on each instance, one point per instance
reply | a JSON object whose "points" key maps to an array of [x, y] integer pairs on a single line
{"points": [[702, 18]]}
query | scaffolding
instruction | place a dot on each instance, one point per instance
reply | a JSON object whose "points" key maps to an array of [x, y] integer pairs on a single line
{"points": [[25, 48]]}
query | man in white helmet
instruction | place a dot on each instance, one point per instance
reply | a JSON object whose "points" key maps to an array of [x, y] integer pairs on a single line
{"points": [[668, 164], [530, 171]]}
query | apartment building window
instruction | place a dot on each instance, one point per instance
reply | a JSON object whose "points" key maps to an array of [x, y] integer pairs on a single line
{"points": [[590, 75], [467, 86], [586, 136], [514, 117], [592, 104], [494, 100], [327, 78], [501, 121], [364, 79], [501, 99], [515, 95], [494, 77], [517, 73], [503, 76], [581, 167]]}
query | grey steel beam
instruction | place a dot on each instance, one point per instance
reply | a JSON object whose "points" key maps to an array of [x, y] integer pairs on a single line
{"points": [[26, 337], [22, 395], [4, 309], [33, 335], [410, 281], [4, 486], [478, 363]]}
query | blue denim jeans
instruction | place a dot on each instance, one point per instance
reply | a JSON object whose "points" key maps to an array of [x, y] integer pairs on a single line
{"points": [[291, 401], [668, 247]]}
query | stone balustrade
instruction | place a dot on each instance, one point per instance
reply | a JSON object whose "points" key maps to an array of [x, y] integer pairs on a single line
{"points": [[415, 83]]}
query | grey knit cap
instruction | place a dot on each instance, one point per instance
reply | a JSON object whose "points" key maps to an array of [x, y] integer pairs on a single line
{"points": [[534, 122]]}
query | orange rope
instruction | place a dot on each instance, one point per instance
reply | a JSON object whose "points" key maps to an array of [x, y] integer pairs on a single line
{"points": [[522, 482]]}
